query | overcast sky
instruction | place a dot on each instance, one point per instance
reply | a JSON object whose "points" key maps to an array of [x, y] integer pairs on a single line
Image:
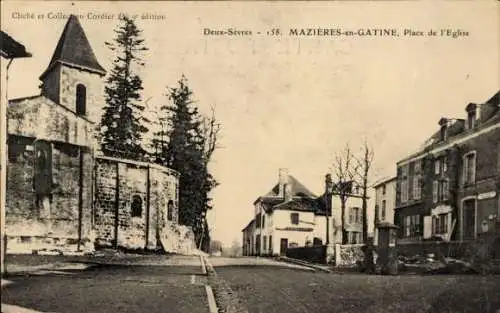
{"points": [[290, 102]]}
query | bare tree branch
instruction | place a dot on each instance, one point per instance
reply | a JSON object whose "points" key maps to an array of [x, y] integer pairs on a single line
{"points": [[211, 130]]}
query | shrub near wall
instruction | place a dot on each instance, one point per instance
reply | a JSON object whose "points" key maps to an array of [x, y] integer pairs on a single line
{"points": [[316, 254], [351, 254]]}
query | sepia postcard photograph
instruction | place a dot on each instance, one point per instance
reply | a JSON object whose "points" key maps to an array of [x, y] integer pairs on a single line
{"points": [[250, 156]]}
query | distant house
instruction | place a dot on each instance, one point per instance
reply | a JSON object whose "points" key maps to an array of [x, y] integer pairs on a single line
{"points": [[385, 200], [248, 238], [449, 188], [349, 230], [286, 216]]}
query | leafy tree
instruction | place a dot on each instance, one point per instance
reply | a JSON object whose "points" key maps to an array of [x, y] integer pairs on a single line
{"points": [[186, 143], [122, 123]]}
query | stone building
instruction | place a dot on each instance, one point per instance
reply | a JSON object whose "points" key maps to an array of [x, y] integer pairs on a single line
{"points": [[449, 189], [60, 192], [50, 140]]}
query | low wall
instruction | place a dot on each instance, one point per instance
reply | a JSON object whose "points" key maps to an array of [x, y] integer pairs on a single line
{"points": [[452, 249], [486, 243], [315, 254]]}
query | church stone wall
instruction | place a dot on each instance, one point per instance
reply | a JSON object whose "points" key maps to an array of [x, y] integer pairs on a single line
{"points": [[123, 180], [28, 221]]}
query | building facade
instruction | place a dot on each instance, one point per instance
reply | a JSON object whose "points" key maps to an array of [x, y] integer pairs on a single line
{"points": [[385, 202], [448, 189], [287, 216], [248, 239], [345, 196], [291, 216]]}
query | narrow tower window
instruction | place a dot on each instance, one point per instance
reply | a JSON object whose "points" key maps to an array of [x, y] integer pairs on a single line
{"points": [[170, 210], [81, 99], [136, 206]]}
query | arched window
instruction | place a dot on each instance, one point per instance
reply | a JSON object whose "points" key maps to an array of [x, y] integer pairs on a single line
{"points": [[81, 99], [136, 206], [170, 210]]}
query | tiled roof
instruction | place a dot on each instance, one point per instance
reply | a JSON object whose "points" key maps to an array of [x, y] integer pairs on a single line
{"points": [[11, 48], [297, 189], [74, 49], [248, 225], [304, 205], [456, 129]]}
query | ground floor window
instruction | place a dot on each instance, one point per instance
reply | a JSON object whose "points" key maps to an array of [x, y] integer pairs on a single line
{"points": [[354, 237], [440, 224], [264, 242], [411, 226]]}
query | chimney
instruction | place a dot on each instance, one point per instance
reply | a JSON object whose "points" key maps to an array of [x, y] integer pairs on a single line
{"points": [[328, 183], [284, 188]]}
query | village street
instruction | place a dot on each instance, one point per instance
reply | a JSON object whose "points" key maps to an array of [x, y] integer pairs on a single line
{"points": [[265, 287], [254, 285], [153, 284]]}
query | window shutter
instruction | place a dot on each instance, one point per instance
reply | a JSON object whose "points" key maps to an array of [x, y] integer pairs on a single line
{"points": [[435, 191], [428, 226], [473, 168], [446, 189]]}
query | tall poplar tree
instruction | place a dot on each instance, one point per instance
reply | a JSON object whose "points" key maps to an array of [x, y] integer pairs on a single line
{"points": [[122, 123]]}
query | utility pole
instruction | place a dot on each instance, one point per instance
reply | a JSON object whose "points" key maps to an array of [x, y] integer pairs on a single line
{"points": [[9, 50], [328, 199]]}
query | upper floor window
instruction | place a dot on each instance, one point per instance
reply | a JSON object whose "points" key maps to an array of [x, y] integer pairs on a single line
{"points": [[440, 224], [440, 190], [258, 221], [417, 166], [81, 99], [471, 118], [136, 206], [411, 225], [382, 212], [294, 218], [469, 168], [354, 216], [383, 189], [444, 189], [404, 183], [437, 166], [263, 221], [443, 132]]}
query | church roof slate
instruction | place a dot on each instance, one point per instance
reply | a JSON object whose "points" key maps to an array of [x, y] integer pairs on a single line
{"points": [[73, 49]]}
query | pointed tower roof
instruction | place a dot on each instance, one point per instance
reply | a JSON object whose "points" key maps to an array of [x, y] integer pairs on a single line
{"points": [[73, 49]]}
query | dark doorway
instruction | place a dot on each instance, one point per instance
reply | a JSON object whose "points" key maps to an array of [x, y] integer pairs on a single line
{"points": [[469, 219], [283, 246]]}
